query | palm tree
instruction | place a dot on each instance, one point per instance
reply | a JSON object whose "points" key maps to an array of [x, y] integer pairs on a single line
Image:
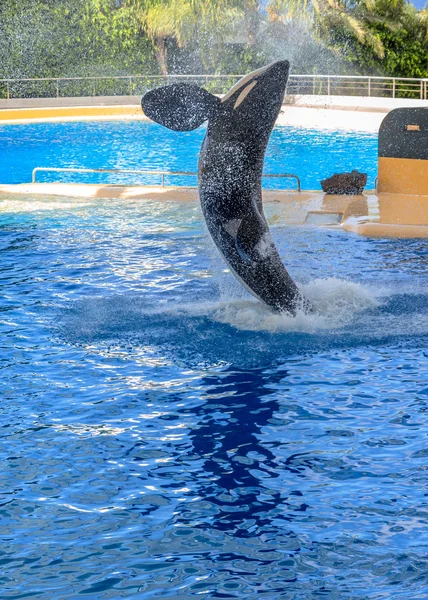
{"points": [[163, 19], [332, 19], [181, 20], [251, 12]]}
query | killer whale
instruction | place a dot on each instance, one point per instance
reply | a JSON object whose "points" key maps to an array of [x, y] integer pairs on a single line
{"points": [[230, 172]]}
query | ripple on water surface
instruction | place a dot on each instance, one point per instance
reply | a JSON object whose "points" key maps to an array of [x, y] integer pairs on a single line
{"points": [[165, 436]]}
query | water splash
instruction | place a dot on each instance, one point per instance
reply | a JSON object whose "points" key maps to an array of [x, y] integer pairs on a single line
{"points": [[336, 303]]}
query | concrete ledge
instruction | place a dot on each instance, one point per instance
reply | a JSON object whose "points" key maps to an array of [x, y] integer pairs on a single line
{"points": [[385, 230], [293, 116], [78, 113], [285, 207], [355, 103], [70, 101], [313, 112], [83, 190]]}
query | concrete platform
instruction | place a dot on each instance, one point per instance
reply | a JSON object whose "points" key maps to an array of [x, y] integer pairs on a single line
{"points": [[292, 116], [350, 113], [83, 190], [70, 113], [391, 215], [385, 230], [285, 207], [369, 214], [69, 101]]}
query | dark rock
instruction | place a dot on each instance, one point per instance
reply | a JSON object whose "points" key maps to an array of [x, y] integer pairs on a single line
{"points": [[351, 184]]}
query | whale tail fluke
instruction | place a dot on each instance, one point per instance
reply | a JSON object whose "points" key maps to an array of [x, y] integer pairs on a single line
{"points": [[180, 107]]}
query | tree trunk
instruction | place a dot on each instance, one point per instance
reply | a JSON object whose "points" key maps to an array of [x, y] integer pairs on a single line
{"points": [[252, 22], [161, 55]]}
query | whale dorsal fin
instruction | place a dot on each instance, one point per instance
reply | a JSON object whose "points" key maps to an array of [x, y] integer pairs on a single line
{"points": [[181, 106]]}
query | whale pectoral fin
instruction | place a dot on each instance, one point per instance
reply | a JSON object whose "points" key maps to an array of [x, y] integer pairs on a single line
{"points": [[181, 106]]}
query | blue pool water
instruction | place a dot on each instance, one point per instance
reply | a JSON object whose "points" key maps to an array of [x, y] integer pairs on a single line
{"points": [[312, 155], [165, 436]]}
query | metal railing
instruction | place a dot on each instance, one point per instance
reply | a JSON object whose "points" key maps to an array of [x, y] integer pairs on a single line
{"points": [[163, 174], [127, 171], [358, 85], [133, 85], [287, 175]]}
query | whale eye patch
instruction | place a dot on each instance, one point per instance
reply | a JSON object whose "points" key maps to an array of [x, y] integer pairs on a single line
{"points": [[244, 93]]}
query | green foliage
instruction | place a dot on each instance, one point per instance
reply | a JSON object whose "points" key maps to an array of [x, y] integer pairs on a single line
{"points": [[57, 38], [43, 38], [404, 54], [387, 37], [382, 37]]}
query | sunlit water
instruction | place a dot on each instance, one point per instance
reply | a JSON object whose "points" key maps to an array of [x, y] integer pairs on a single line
{"points": [[165, 436], [311, 154]]}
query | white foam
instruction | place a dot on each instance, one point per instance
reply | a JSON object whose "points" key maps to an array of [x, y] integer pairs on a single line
{"points": [[336, 302], [339, 298]]}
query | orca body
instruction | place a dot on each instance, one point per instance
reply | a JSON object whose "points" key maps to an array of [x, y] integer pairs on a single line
{"points": [[230, 173]]}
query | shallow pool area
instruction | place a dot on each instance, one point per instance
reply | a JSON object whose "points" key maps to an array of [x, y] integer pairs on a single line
{"points": [[165, 436], [311, 154]]}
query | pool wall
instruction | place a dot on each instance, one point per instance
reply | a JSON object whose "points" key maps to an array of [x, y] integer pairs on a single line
{"points": [[8, 103], [47, 113], [325, 112]]}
